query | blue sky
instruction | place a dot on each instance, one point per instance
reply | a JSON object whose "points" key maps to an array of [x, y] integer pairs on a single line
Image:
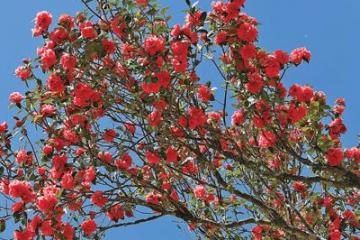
{"points": [[328, 28]]}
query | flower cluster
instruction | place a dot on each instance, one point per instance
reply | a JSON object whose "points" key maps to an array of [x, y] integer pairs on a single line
{"points": [[127, 122]]}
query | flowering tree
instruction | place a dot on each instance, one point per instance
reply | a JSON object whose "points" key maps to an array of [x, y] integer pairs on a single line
{"points": [[124, 123]]}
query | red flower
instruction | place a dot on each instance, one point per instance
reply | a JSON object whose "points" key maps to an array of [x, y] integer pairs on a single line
{"points": [[22, 190], [142, 2], [109, 135], [295, 91], [193, 19], [272, 67], [66, 21], [307, 94], [35, 222], [171, 155], [59, 161], [267, 139], [108, 45], [238, 118], [88, 31], [43, 19], [48, 58], [16, 207], [16, 97], [176, 31], [105, 156], [336, 127], [150, 87], [47, 150], [248, 51], [154, 45], [116, 212], [68, 231], [23, 72], [47, 110], [179, 64], [295, 113], [125, 162], [152, 158], [247, 32], [302, 94], [204, 93], [335, 235], [46, 203], [154, 118], [84, 95], [130, 127], [153, 198], [55, 83], [353, 153], [214, 117], [3, 127], [197, 117], [299, 54], [220, 38], [68, 61], [255, 83], [90, 174], [257, 232], [299, 186], [179, 48], [163, 78], [118, 26], [128, 50], [67, 181], [200, 192], [46, 228], [22, 157], [99, 199], [334, 156], [281, 56], [59, 35], [23, 235], [89, 227]]}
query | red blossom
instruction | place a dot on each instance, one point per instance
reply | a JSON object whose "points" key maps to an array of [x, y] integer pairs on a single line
{"points": [[55, 83], [267, 139], [23, 72], [200, 192], [98, 199], [16, 97], [43, 19], [154, 44], [299, 54], [152, 158], [204, 93], [88, 31], [68, 61], [334, 156], [48, 58], [89, 227], [247, 32]]}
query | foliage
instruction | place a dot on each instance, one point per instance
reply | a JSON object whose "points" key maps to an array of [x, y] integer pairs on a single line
{"points": [[129, 132]]}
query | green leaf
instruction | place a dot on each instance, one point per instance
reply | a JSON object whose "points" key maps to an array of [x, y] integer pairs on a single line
{"points": [[17, 217], [203, 16], [188, 3], [2, 225], [1, 171], [164, 10]]}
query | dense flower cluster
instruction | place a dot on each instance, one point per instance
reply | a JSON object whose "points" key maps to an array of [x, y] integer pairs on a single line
{"points": [[127, 124]]}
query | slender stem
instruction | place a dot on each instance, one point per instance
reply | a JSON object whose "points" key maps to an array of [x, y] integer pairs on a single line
{"points": [[91, 10]]}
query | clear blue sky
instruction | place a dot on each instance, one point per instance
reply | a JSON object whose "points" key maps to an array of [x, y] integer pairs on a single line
{"points": [[328, 28]]}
